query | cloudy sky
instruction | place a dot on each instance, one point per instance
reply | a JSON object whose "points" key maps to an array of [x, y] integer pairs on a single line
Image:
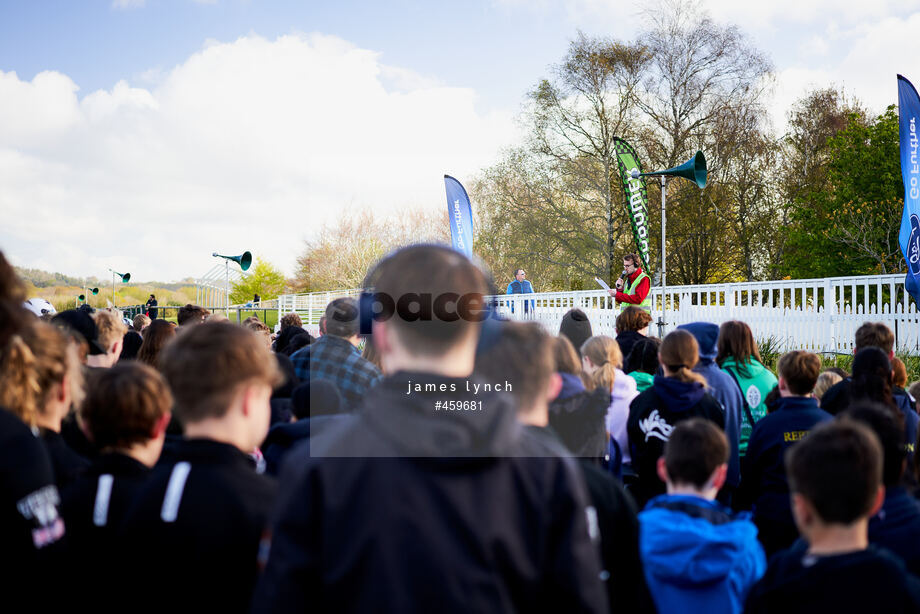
{"points": [[145, 134]]}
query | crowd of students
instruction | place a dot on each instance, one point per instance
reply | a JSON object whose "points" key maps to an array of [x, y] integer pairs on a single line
{"points": [[452, 465]]}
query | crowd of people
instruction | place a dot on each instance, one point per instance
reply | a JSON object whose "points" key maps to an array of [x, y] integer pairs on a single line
{"points": [[455, 464]]}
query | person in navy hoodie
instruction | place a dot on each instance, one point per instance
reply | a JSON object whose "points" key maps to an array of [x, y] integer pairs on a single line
{"points": [[897, 525], [763, 475], [697, 555], [835, 476], [679, 395], [725, 390], [839, 396]]}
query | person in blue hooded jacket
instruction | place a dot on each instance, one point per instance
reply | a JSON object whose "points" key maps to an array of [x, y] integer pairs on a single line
{"points": [[723, 389], [679, 395], [763, 473], [697, 555]]}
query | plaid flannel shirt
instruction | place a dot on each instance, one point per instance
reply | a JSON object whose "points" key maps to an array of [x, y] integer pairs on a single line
{"points": [[335, 359]]}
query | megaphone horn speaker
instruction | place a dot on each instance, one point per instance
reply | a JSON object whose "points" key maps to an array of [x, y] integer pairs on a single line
{"points": [[244, 259], [124, 277], [94, 290], [693, 169]]}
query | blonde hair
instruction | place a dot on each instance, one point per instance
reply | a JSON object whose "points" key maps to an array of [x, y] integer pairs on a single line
{"points": [[110, 327], [604, 353], [31, 363], [679, 353], [825, 381]]}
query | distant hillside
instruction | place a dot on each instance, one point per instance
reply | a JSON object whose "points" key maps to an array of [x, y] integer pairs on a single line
{"points": [[62, 290]]}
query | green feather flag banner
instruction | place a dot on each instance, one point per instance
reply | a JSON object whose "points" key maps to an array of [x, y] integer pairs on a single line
{"points": [[636, 197]]}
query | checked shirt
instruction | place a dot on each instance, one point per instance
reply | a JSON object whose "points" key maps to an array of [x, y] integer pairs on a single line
{"points": [[338, 361]]}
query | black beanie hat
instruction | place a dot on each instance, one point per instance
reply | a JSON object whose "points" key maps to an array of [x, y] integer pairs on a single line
{"points": [[576, 327]]}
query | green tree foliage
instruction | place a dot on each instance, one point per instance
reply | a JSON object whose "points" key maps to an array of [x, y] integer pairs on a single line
{"points": [[264, 279], [845, 218]]}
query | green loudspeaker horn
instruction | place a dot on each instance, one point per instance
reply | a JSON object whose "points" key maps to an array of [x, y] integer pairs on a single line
{"points": [[124, 277], [693, 169], [95, 291], [244, 259], [82, 297]]}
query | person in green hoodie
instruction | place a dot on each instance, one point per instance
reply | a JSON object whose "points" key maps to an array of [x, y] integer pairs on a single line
{"points": [[738, 354]]}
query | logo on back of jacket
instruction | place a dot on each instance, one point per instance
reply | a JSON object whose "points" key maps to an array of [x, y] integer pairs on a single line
{"points": [[655, 426]]}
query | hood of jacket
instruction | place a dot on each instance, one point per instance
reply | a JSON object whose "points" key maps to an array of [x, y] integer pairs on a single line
{"points": [[410, 421], [678, 395], [750, 370], [707, 335], [571, 385], [688, 541]]}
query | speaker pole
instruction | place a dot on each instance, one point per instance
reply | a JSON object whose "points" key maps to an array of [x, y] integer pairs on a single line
{"points": [[663, 321], [227, 271]]}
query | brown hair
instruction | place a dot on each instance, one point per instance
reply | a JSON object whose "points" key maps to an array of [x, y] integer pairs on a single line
{"points": [[696, 448], [207, 365], [565, 357], [257, 326], [342, 317], [679, 353], [371, 354], [437, 271], [874, 334], [633, 318], [737, 341], [124, 404], [191, 314], [899, 370], [157, 335], [838, 469], [523, 357], [110, 328], [634, 258], [604, 353], [33, 361], [140, 321], [800, 370], [290, 319]]}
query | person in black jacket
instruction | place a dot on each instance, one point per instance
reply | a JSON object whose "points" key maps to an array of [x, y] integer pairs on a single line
{"points": [[152, 309], [896, 526], [430, 497], [126, 412], [678, 395], [764, 486], [198, 521], [522, 357], [632, 327], [41, 380], [835, 478], [576, 414]]}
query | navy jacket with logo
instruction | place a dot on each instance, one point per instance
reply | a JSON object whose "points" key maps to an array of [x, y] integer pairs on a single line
{"points": [[653, 415], [763, 474]]}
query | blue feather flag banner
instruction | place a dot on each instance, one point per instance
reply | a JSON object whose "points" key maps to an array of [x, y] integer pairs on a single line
{"points": [[909, 237], [461, 216]]}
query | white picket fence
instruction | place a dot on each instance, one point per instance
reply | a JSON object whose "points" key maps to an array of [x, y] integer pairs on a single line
{"points": [[820, 315]]}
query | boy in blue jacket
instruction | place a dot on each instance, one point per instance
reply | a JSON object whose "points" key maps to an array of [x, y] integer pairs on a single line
{"points": [[697, 556]]}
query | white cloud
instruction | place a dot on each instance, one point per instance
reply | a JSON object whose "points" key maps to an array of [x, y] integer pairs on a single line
{"points": [[246, 145], [128, 4]]}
